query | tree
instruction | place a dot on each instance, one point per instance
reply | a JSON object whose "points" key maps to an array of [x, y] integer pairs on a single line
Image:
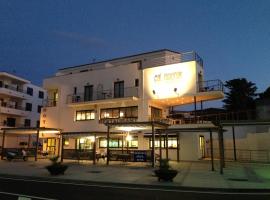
{"points": [[240, 95], [265, 94]]}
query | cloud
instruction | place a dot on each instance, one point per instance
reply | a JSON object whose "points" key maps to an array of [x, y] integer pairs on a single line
{"points": [[82, 39]]}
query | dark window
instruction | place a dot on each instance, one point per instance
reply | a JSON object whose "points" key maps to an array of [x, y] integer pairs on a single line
{"points": [[27, 122], [118, 89], [88, 93], [39, 109], [11, 122], [38, 124], [75, 90], [136, 82], [83, 115], [41, 94], [29, 91], [28, 107], [122, 112]]}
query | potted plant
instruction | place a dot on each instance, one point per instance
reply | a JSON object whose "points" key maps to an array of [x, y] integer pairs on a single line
{"points": [[56, 168], [165, 172]]}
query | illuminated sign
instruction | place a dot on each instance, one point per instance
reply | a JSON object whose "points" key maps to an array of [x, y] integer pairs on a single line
{"points": [[170, 81], [167, 76]]}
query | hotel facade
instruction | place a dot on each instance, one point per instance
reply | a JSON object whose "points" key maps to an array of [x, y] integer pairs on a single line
{"points": [[119, 108]]}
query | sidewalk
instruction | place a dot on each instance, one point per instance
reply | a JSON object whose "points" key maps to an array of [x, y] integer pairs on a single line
{"points": [[191, 174]]}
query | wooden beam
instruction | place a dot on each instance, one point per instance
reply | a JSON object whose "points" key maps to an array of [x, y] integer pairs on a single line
{"points": [[234, 145], [178, 147], [3, 144], [211, 148], [153, 145], [108, 147], [160, 146], [195, 109], [37, 141], [62, 147], [167, 148], [94, 149]]}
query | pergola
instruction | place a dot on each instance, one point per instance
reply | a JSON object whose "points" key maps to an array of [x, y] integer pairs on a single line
{"points": [[27, 131], [135, 126]]}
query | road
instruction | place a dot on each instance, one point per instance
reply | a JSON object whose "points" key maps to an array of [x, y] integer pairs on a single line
{"points": [[34, 189]]}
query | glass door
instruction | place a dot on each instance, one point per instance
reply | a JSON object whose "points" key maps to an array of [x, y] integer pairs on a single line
{"points": [[118, 89], [202, 146], [51, 146], [88, 93]]}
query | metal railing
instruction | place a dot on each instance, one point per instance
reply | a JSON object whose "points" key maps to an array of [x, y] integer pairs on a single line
{"points": [[6, 105], [49, 103], [102, 95], [78, 154], [17, 89], [244, 155], [210, 85]]}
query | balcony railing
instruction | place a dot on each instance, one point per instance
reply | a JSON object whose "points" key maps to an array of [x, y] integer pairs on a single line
{"points": [[49, 103], [17, 89], [102, 95], [211, 85], [6, 105]]}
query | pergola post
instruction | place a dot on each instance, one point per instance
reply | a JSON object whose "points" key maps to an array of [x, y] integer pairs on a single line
{"points": [[178, 147], [62, 147], [108, 147], [29, 140], [167, 150], [37, 141], [195, 109], [160, 147], [153, 145], [221, 152], [94, 149], [211, 148], [3, 144], [234, 146], [122, 142], [59, 145]]}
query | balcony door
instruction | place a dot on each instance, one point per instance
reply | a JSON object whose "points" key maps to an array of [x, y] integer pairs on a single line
{"points": [[118, 89], [88, 93]]}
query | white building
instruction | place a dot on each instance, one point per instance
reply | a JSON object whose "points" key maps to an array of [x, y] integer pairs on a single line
{"points": [[133, 89], [20, 105]]}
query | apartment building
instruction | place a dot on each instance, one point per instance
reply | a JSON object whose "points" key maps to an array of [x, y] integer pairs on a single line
{"points": [[20, 105], [133, 91]]}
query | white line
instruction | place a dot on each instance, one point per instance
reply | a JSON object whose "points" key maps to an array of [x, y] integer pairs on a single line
{"points": [[23, 195], [137, 188]]}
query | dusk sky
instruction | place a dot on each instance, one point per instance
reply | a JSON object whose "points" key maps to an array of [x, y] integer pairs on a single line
{"points": [[38, 37]]}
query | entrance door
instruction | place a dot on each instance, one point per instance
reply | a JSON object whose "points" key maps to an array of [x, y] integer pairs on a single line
{"points": [[202, 146], [11, 122], [51, 146], [88, 93]]}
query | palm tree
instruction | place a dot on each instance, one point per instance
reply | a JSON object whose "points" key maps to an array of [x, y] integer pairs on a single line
{"points": [[240, 95]]}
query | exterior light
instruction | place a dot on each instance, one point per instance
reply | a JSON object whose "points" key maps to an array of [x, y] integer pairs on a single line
{"points": [[129, 137], [121, 114]]}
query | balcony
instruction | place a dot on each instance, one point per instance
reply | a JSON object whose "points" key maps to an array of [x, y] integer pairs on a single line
{"points": [[9, 90], [104, 96], [211, 85], [12, 110]]}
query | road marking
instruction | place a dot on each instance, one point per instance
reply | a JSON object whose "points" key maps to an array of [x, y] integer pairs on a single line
{"points": [[136, 188], [25, 197]]}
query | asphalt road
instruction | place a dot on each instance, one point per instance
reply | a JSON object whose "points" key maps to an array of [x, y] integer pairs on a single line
{"points": [[12, 187]]}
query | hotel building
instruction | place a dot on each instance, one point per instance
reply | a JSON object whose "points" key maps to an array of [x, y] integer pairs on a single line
{"points": [[120, 107]]}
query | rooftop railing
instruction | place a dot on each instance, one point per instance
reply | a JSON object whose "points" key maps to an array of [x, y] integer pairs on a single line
{"points": [[17, 89], [210, 85], [102, 95]]}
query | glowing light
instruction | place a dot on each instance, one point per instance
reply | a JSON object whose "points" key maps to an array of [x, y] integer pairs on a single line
{"points": [[128, 128], [121, 114], [129, 137], [82, 140]]}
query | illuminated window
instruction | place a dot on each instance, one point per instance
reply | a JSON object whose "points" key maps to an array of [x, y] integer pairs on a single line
{"points": [[122, 112], [117, 143], [172, 142], [84, 115]]}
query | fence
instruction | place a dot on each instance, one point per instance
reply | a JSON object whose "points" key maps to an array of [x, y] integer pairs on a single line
{"points": [[244, 155]]}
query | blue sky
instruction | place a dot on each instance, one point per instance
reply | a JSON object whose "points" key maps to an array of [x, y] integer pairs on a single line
{"points": [[38, 37]]}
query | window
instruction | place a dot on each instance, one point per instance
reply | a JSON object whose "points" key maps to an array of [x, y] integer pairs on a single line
{"points": [[156, 113], [41, 94], [122, 112], [85, 143], [37, 123], [39, 109], [118, 89], [29, 91], [117, 143], [28, 107], [172, 142], [83, 115], [27, 122], [75, 90], [136, 82]]}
